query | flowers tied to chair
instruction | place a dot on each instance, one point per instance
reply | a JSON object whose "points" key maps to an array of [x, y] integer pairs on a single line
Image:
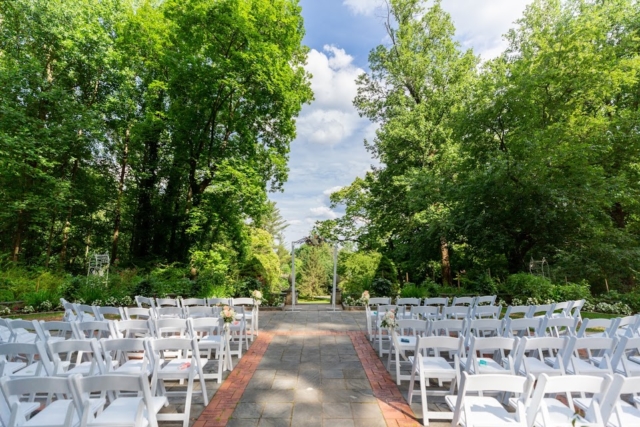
{"points": [[257, 297], [228, 316], [389, 320]]}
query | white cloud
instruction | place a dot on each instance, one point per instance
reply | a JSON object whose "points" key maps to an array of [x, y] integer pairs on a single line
{"points": [[481, 25], [330, 191], [363, 7], [323, 212], [331, 118], [295, 222]]}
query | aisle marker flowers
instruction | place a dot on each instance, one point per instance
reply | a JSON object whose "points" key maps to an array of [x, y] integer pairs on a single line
{"points": [[228, 315], [389, 320], [257, 297]]}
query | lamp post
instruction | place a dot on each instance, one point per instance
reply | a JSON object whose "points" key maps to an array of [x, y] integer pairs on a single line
{"points": [[335, 276], [293, 271]]}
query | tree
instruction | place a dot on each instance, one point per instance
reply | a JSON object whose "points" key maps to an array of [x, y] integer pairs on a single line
{"points": [[273, 222], [415, 85]]}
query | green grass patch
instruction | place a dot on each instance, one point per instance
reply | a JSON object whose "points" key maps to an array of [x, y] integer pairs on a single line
{"points": [[314, 300], [592, 315]]}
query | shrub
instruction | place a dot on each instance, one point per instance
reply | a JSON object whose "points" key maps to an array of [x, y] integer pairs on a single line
{"points": [[482, 285], [432, 288], [386, 270], [571, 291], [381, 287], [524, 285], [410, 290]]}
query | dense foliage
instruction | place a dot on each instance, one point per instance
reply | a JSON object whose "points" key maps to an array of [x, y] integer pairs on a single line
{"points": [[149, 130], [487, 165]]}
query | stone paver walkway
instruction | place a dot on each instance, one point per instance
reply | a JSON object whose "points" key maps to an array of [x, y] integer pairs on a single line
{"points": [[310, 368]]}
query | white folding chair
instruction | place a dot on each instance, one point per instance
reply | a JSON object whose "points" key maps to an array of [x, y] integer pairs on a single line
{"points": [[627, 326], [429, 312], [199, 311], [518, 310], [493, 355], [144, 302], [625, 359], [405, 306], [170, 328], [97, 329], [125, 356], [597, 352], [575, 309], [403, 340], [438, 301], [60, 412], [428, 362], [465, 301], [559, 326], [487, 299], [486, 312], [132, 313], [135, 328], [541, 355], [176, 369], [484, 328], [523, 327], [457, 312], [250, 315], [617, 412], [55, 331], [551, 412], [109, 313], [542, 310], [562, 309], [212, 302], [167, 302], [23, 331], [65, 364], [18, 360], [86, 313], [123, 410], [599, 328], [70, 314], [472, 408], [169, 313], [190, 302], [207, 331], [379, 332], [448, 327]]}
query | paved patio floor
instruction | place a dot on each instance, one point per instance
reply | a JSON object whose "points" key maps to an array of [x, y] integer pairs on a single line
{"points": [[308, 368]]}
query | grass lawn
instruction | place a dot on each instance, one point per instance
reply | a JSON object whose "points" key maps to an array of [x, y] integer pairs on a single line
{"points": [[315, 300], [591, 315]]}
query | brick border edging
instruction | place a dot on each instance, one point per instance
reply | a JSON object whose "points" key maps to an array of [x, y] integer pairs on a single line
{"points": [[224, 402], [394, 407]]}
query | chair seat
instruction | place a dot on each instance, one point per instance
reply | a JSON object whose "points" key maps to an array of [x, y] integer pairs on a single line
{"points": [[629, 415], [536, 367], [56, 412], [486, 365], [409, 345], [486, 411], [560, 414], [435, 366], [132, 367], [122, 411], [29, 371], [583, 367], [178, 368], [11, 367]]}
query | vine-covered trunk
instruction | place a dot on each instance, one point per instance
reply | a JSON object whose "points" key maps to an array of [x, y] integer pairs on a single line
{"points": [[118, 213], [446, 265]]}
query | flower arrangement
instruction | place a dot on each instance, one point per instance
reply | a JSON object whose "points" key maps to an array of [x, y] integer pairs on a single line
{"points": [[5, 310], [365, 297], [389, 320], [228, 315], [257, 296]]}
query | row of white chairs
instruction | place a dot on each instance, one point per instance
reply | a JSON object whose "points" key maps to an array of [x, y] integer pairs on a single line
{"points": [[188, 302], [172, 358], [247, 313], [533, 359], [439, 301], [77, 401], [545, 402]]}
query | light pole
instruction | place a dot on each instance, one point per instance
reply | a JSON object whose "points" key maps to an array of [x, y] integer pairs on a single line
{"points": [[335, 276], [293, 272]]}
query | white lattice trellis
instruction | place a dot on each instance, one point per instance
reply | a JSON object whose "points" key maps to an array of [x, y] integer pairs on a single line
{"points": [[99, 267]]}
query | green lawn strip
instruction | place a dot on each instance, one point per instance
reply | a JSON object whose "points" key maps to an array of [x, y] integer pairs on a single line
{"points": [[316, 300]]}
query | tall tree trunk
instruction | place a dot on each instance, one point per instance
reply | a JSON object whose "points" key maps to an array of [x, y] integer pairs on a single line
{"points": [[118, 214], [17, 239], [446, 265], [50, 239], [67, 223]]}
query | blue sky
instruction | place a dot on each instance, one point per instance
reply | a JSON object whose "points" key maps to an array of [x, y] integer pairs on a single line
{"points": [[329, 152]]}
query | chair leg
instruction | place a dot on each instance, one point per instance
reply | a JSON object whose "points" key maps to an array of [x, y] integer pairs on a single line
{"points": [[423, 398]]}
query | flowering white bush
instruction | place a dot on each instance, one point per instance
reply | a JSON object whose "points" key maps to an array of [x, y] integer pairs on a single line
{"points": [[28, 309], [4, 310], [45, 306], [126, 301], [389, 320], [615, 308]]}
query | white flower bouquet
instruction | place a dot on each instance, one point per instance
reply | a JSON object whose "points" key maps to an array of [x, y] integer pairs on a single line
{"points": [[389, 320], [257, 296]]}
